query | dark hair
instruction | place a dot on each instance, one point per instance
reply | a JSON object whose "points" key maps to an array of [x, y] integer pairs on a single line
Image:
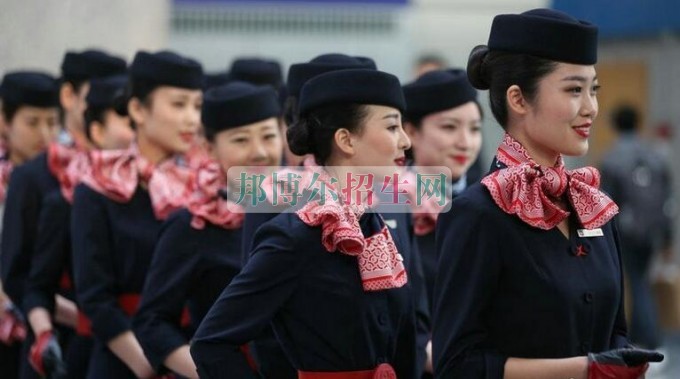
{"points": [[141, 89], [625, 119], [290, 110], [136, 88], [91, 115], [313, 133], [9, 110], [498, 70]]}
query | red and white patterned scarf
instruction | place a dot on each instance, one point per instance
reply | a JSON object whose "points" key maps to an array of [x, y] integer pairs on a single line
{"points": [[69, 165], [117, 173], [206, 203], [528, 190], [380, 264], [197, 156]]}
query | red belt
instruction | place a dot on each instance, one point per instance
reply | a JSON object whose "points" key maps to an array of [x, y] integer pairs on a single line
{"points": [[129, 304], [65, 282], [383, 371]]}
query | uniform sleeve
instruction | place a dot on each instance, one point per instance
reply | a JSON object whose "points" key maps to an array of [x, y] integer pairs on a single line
{"points": [[619, 337], [171, 276], [49, 256], [249, 303], [469, 267], [93, 266], [251, 223], [22, 205]]}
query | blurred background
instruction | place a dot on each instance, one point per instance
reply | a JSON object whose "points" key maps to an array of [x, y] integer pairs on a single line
{"points": [[639, 61]]}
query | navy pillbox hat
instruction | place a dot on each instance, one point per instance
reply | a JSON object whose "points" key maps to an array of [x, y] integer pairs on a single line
{"points": [[437, 91], [257, 71], [545, 33], [238, 104], [89, 64], [30, 88], [300, 73], [104, 92], [215, 79], [167, 68], [355, 86]]}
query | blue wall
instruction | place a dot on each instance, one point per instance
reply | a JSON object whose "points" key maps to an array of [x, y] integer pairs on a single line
{"points": [[626, 18]]}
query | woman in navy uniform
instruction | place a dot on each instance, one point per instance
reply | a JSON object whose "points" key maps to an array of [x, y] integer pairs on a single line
{"points": [[199, 250], [266, 350], [310, 272], [529, 281], [52, 255], [25, 221], [30, 114], [443, 120], [119, 208]]}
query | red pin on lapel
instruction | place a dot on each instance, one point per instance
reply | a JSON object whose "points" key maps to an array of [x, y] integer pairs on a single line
{"points": [[581, 251]]}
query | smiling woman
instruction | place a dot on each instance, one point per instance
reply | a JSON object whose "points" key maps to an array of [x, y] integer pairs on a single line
{"points": [[530, 281], [328, 276], [119, 208]]}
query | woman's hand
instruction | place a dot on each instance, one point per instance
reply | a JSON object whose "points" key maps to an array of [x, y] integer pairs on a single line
{"points": [[624, 363]]}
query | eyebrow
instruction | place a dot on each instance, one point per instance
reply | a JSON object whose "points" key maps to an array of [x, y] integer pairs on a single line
{"points": [[391, 115], [577, 78]]}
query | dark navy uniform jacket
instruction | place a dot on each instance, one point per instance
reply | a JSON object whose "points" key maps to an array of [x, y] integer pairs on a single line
{"points": [[266, 350], [506, 289], [428, 251], [52, 253], [29, 184], [112, 248], [189, 266], [428, 256], [315, 301]]}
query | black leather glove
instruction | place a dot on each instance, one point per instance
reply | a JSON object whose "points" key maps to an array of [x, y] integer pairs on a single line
{"points": [[627, 363], [46, 358]]}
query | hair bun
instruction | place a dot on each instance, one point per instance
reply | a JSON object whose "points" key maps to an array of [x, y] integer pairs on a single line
{"points": [[299, 138], [475, 68]]}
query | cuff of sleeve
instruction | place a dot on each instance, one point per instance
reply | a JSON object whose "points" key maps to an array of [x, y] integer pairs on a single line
{"points": [[34, 300], [212, 361], [108, 324], [495, 365], [157, 350]]}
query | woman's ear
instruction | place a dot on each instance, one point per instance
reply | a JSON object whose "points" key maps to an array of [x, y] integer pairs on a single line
{"points": [[516, 101], [344, 142], [137, 111], [67, 96], [97, 133]]}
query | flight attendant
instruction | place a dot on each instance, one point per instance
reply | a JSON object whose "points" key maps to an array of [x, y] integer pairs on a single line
{"points": [[310, 273], [30, 116], [30, 185], [119, 208], [529, 282], [199, 250], [52, 257], [444, 121]]}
